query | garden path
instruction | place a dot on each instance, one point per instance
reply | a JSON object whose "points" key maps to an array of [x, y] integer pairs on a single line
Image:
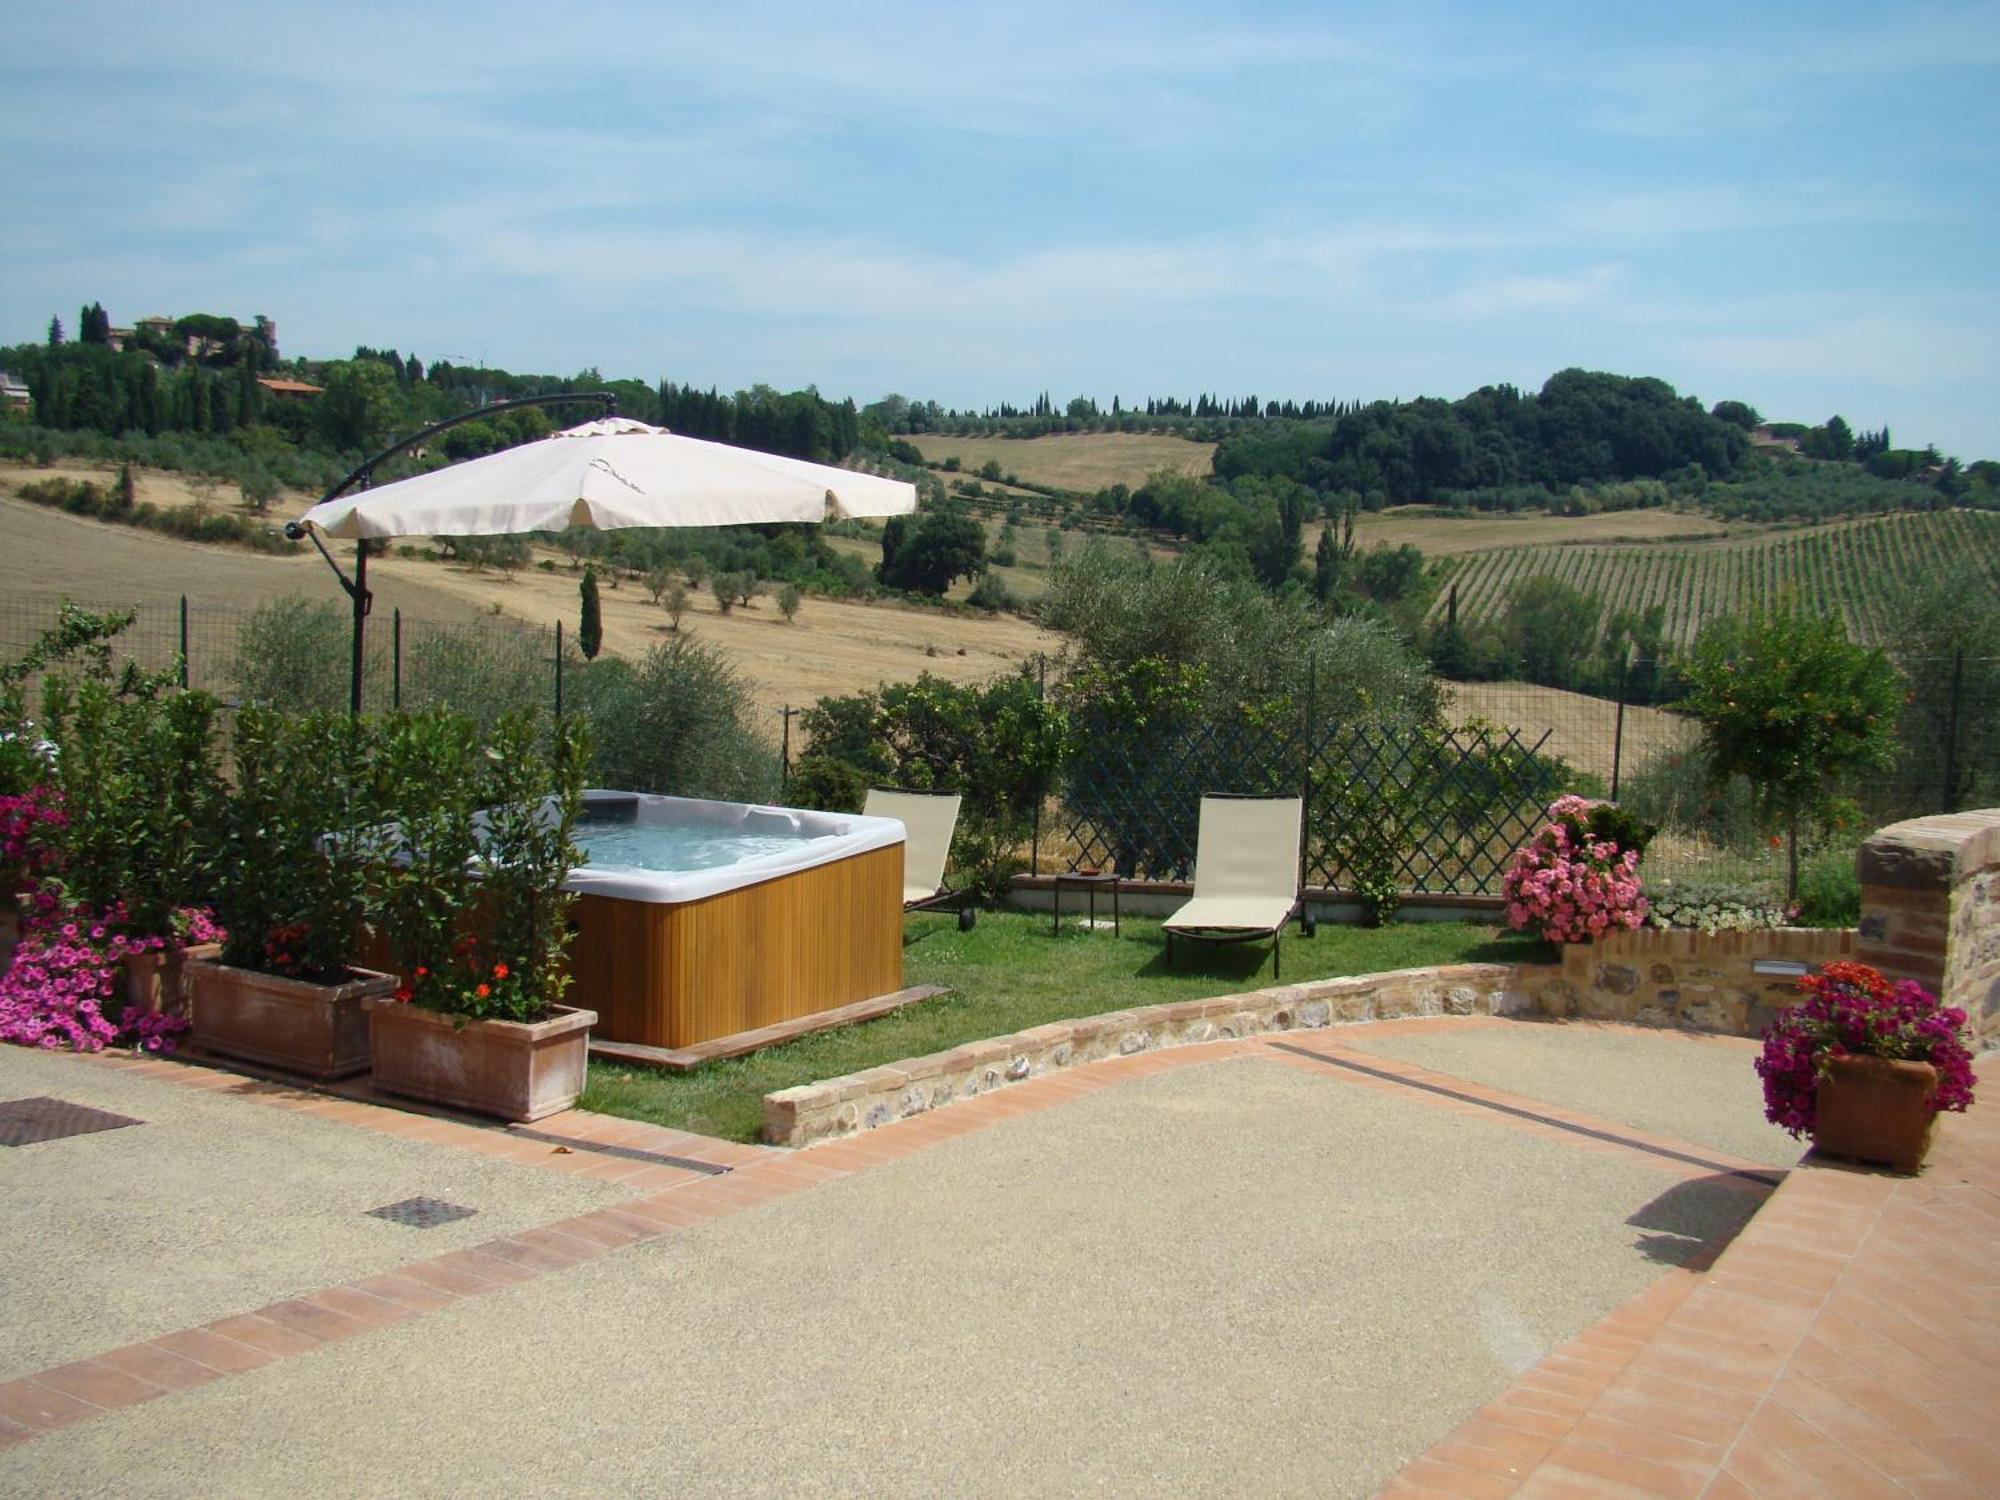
{"points": [[1282, 1265]]}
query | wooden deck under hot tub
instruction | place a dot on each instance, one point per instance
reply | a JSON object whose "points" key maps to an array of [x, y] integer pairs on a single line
{"points": [[673, 975]]}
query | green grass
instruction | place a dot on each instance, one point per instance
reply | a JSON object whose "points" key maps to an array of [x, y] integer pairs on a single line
{"points": [[1009, 974]]}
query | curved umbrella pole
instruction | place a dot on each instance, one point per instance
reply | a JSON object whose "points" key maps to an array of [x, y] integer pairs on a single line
{"points": [[364, 476]]}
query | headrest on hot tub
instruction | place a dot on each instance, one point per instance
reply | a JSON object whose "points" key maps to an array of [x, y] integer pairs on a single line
{"points": [[611, 807], [770, 820]]}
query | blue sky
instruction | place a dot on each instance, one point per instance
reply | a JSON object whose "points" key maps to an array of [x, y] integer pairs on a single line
{"points": [[1794, 205]]}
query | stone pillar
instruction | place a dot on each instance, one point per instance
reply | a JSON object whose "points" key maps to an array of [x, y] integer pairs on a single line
{"points": [[1930, 909]]}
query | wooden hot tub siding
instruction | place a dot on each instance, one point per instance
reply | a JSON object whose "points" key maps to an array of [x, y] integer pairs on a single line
{"points": [[672, 975]]}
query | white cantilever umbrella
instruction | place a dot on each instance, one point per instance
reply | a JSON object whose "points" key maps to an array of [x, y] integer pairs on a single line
{"points": [[607, 474]]}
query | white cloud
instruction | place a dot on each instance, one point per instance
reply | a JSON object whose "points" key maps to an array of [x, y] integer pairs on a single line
{"points": [[1505, 296]]}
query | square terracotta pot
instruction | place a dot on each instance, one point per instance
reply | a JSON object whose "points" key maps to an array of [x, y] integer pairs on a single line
{"points": [[1876, 1109], [513, 1069], [10, 934], [319, 1030], [157, 983]]}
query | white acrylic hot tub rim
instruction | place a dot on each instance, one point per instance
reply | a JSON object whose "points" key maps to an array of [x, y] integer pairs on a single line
{"points": [[833, 836]]}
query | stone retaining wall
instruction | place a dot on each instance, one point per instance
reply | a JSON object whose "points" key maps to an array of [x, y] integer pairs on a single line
{"points": [[1679, 977], [1930, 909], [861, 1101]]}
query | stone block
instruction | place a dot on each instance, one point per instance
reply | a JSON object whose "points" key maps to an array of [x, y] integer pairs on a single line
{"points": [[1616, 979]]}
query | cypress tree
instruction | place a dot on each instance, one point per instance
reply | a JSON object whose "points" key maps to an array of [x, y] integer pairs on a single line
{"points": [[590, 630], [249, 394]]}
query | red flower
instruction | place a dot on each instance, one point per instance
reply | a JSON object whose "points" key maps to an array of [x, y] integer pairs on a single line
{"points": [[402, 992], [482, 991], [421, 971], [499, 971]]}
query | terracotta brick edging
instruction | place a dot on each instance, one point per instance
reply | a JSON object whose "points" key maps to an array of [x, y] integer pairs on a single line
{"points": [[837, 1107]]}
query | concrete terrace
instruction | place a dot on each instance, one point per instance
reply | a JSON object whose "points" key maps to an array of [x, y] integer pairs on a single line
{"points": [[1459, 1256]]}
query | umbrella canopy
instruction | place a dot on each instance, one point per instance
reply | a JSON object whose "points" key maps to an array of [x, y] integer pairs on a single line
{"points": [[608, 474]]}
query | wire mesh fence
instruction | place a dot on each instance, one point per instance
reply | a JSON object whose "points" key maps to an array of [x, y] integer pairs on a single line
{"points": [[298, 655]]}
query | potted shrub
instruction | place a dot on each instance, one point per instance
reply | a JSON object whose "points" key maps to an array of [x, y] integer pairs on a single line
{"points": [[472, 902], [129, 758], [1578, 877], [291, 888], [1864, 1066]]}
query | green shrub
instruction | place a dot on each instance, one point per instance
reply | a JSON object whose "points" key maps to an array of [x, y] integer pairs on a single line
{"points": [[826, 784], [135, 760], [290, 900], [294, 655], [1830, 889], [990, 592], [997, 744], [482, 671], [679, 721]]}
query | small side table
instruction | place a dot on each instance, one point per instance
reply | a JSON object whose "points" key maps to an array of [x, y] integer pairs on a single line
{"points": [[1093, 882]]}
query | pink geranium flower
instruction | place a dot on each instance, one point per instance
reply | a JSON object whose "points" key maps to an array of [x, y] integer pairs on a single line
{"points": [[1570, 887]]}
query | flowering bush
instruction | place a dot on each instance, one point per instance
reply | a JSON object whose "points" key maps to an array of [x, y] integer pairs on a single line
{"points": [[66, 968], [1851, 1010], [1578, 877], [28, 820]]}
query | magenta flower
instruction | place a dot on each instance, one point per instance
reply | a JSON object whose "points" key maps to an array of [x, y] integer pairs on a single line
{"points": [[1850, 1009]]}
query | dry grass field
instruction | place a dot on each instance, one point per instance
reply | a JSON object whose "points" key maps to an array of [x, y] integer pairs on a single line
{"points": [[1444, 533], [1082, 461], [833, 646], [48, 555], [1581, 729]]}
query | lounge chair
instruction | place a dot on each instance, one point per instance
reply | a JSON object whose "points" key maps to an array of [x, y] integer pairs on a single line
{"points": [[929, 819], [1246, 874]]}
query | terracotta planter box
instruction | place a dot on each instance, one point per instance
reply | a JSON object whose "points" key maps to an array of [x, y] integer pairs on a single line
{"points": [[319, 1030], [516, 1070], [157, 983], [1876, 1110]]}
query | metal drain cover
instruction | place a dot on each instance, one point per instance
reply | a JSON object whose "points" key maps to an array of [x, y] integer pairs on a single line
{"points": [[422, 1213], [25, 1122]]}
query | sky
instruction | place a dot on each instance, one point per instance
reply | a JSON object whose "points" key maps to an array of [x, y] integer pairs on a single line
{"points": [[1793, 205]]}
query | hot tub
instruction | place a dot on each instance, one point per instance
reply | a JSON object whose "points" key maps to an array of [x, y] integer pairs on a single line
{"points": [[696, 920]]}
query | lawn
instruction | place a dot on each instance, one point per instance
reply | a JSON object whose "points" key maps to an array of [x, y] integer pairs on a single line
{"points": [[1009, 974]]}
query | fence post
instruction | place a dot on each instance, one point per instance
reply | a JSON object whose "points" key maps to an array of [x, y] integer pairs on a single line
{"points": [[1035, 834], [785, 750], [396, 657], [1306, 742], [1618, 732], [184, 642], [559, 669], [1951, 733]]}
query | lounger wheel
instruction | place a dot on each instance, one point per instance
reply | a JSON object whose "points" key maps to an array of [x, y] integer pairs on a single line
{"points": [[967, 919], [1308, 925]]}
